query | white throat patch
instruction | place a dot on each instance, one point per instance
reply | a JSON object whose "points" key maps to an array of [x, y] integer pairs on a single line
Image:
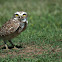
{"points": [[24, 20], [15, 18]]}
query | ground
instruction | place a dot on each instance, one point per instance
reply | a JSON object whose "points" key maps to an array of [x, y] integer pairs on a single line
{"points": [[42, 40]]}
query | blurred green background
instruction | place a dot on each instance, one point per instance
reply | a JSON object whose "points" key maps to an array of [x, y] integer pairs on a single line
{"points": [[44, 27]]}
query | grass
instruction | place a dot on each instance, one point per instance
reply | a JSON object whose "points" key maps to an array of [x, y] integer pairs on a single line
{"points": [[44, 30]]}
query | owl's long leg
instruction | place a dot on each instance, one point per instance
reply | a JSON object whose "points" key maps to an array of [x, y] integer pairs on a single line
{"points": [[12, 44], [6, 45]]}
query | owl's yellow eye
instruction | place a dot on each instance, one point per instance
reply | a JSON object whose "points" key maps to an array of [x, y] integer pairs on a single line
{"points": [[24, 14], [16, 14]]}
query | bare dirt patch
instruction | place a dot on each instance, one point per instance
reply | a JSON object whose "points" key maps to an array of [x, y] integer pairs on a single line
{"points": [[29, 51]]}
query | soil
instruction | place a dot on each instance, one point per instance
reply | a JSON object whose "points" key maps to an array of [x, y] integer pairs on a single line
{"points": [[27, 51]]}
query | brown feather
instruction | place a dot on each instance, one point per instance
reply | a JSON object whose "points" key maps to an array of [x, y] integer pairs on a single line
{"points": [[12, 28]]}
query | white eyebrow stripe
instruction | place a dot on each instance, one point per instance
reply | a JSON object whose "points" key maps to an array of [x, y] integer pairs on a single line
{"points": [[23, 13], [17, 13], [20, 13]]}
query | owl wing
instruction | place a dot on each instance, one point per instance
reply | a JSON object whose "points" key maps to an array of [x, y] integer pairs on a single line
{"points": [[9, 27]]}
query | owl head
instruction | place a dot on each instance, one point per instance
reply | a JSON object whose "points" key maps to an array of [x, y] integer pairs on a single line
{"points": [[22, 16]]}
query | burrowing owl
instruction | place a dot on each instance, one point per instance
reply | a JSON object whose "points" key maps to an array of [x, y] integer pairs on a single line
{"points": [[13, 27]]}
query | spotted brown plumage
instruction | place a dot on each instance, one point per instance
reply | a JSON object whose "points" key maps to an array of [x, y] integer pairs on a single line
{"points": [[13, 27]]}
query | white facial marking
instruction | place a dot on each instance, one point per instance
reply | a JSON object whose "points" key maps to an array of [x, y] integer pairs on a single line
{"points": [[17, 13], [24, 20], [23, 13]]}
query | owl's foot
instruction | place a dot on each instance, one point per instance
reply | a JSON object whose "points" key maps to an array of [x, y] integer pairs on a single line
{"points": [[15, 48], [6, 47]]}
